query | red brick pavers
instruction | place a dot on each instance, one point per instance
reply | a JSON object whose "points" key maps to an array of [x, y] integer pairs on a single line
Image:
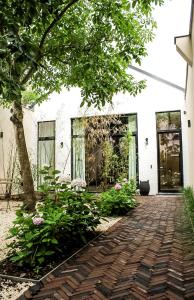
{"points": [[149, 254]]}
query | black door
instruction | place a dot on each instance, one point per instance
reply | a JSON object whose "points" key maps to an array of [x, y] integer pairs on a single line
{"points": [[170, 161]]}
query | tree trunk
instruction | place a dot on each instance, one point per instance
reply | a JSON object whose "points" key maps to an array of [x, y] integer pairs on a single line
{"points": [[26, 173]]}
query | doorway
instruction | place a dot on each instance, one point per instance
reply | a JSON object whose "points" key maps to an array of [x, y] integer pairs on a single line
{"points": [[170, 171]]}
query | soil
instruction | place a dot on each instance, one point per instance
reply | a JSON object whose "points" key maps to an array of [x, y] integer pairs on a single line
{"points": [[11, 269]]}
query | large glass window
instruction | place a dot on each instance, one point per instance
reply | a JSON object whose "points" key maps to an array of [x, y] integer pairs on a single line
{"points": [[46, 145], [100, 141]]}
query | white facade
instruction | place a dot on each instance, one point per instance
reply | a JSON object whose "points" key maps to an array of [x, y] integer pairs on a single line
{"points": [[7, 143], [157, 97], [185, 47], [163, 61]]}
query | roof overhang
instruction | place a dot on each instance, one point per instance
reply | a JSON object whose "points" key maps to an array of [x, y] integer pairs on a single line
{"points": [[184, 48]]}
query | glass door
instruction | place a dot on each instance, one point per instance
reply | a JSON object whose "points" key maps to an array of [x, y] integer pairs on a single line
{"points": [[170, 161]]}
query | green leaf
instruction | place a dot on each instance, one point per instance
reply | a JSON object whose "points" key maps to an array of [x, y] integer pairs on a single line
{"points": [[49, 252], [41, 260], [54, 172], [54, 241], [29, 236], [15, 258], [29, 245], [48, 177]]}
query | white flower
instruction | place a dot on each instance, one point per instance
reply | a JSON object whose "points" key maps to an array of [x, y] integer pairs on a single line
{"points": [[39, 205], [65, 206], [27, 215], [125, 180], [65, 179], [78, 182]]}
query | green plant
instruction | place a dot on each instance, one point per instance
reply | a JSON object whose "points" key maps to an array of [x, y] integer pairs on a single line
{"points": [[64, 215], [188, 194], [119, 199]]}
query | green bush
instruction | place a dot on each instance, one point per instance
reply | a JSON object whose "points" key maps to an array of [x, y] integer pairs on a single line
{"points": [[188, 193], [119, 199], [65, 214]]}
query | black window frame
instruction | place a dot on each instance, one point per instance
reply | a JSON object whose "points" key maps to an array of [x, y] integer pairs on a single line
{"points": [[175, 130], [51, 138], [134, 133]]}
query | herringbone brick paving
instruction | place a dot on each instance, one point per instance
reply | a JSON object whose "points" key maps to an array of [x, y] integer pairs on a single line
{"points": [[146, 255]]}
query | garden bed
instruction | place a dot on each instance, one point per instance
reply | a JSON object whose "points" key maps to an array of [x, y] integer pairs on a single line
{"points": [[14, 281], [9, 268]]}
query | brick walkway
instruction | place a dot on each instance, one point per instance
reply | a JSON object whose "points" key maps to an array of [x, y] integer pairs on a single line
{"points": [[146, 255]]}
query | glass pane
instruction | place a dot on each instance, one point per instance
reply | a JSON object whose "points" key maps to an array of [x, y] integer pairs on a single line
{"points": [[79, 157], [46, 153], [132, 158], [170, 163], [132, 123], [94, 163], [46, 129], [46, 156], [168, 120], [78, 127]]}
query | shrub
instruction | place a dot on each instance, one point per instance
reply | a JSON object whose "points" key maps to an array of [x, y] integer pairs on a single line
{"points": [[188, 193], [65, 215], [119, 199]]}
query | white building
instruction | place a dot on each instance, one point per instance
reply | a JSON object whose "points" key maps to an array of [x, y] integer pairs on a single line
{"points": [[185, 47], [158, 152], [160, 100]]}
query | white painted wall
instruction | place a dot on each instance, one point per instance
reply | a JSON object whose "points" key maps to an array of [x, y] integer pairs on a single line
{"points": [[190, 113], [185, 46], [8, 140], [155, 98]]}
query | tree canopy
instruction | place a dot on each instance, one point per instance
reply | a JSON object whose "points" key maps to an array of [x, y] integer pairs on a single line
{"points": [[89, 44]]}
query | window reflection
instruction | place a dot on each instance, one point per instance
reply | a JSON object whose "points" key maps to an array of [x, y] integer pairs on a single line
{"points": [[168, 120]]}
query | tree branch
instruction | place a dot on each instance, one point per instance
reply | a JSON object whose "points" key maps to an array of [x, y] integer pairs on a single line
{"points": [[28, 75], [47, 31], [53, 23]]}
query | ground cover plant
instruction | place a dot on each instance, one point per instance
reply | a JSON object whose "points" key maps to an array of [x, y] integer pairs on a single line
{"points": [[64, 220], [119, 199]]}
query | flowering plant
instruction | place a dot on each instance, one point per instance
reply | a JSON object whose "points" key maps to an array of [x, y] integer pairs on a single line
{"points": [[119, 199], [78, 182], [62, 217], [37, 220], [117, 186], [65, 179]]}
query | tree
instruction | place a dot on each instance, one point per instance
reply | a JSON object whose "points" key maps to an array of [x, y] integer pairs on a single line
{"points": [[47, 44]]}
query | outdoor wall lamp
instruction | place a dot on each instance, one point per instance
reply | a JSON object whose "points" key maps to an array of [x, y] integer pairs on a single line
{"points": [[61, 144], [1, 135], [146, 141]]}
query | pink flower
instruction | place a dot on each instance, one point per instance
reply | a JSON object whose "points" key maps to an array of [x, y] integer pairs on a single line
{"points": [[117, 186], [37, 220]]}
